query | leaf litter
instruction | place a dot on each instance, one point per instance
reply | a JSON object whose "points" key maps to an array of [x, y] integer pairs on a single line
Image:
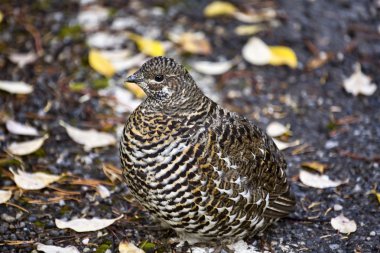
{"points": [[33, 181], [15, 127], [5, 196], [89, 138], [343, 224], [86, 225], [26, 147], [319, 181]]}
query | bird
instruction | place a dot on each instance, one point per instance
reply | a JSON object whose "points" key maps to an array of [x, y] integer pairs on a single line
{"points": [[209, 174]]}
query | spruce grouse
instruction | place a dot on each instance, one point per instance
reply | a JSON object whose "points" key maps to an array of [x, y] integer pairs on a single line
{"points": [[206, 172]]}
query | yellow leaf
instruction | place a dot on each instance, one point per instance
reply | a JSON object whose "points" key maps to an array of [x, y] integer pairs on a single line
{"points": [[148, 46], [136, 90], [320, 167], [244, 30], [195, 43], [1, 16], [219, 8], [101, 64], [281, 55], [377, 194]]}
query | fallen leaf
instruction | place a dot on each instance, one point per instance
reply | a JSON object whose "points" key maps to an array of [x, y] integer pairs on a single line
{"points": [[284, 145], [219, 8], [26, 147], [20, 129], [1, 16], [358, 83], [33, 181], [256, 17], [16, 87], [5, 196], [86, 225], [318, 181], [343, 224], [244, 30], [89, 138], [212, 68], [194, 43], [102, 40], [23, 59], [276, 129], [91, 17], [103, 191], [281, 55], [255, 51], [121, 64], [320, 167], [56, 249], [101, 64], [377, 194], [148, 46], [136, 90], [128, 247]]}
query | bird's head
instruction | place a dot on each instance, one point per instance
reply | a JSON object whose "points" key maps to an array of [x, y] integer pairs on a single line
{"points": [[162, 78]]}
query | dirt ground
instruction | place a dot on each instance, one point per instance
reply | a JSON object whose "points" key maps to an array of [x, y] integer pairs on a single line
{"points": [[333, 126]]}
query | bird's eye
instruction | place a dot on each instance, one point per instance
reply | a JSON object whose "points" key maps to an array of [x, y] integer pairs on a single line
{"points": [[159, 78]]}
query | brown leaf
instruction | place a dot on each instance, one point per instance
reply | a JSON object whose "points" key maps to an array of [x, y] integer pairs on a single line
{"points": [[320, 167]]}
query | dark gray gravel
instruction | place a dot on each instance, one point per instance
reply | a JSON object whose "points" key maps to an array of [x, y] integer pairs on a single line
{"points": [[312, 101]]}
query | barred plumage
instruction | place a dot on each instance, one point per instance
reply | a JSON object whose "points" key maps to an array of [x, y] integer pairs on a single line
{"points": [[204, 171]]}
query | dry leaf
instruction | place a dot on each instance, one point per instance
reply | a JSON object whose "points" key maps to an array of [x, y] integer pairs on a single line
{"points": [[128, 247], [219, 8], [343, 224], [256, 17], [244, 30], [255, 51], [89, 138], [20, 129], [284, 145], [320, 167], [276, 129], [56, 249], [5, 196], [103, 191], [358, 83], [103, 40], [195, 43], [212, 68], [33, 181], [318, 181], [100, 63], [23, 59], [16, 87], [136, 90], [148, 46], [86, 225], [91, 17], [121, 64], [281, 55], [377, 194], [26, 147]]}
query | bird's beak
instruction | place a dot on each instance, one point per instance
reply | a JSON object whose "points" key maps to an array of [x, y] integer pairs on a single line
{"points": [[135, 78]]}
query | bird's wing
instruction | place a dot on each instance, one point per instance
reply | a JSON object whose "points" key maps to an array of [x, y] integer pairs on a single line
{"points": [[243, 149]]}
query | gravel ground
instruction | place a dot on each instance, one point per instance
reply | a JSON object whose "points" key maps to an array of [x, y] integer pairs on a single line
{"points": [[334, 127]]}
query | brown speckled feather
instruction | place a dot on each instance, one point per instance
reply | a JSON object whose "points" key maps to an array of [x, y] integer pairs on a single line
{"points": [[206, 172]]}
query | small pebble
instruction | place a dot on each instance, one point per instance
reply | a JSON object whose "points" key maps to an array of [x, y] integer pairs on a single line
{"points": [[337, 207], [85, 250], [85, 241], [334, 246], [372, 233]]}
